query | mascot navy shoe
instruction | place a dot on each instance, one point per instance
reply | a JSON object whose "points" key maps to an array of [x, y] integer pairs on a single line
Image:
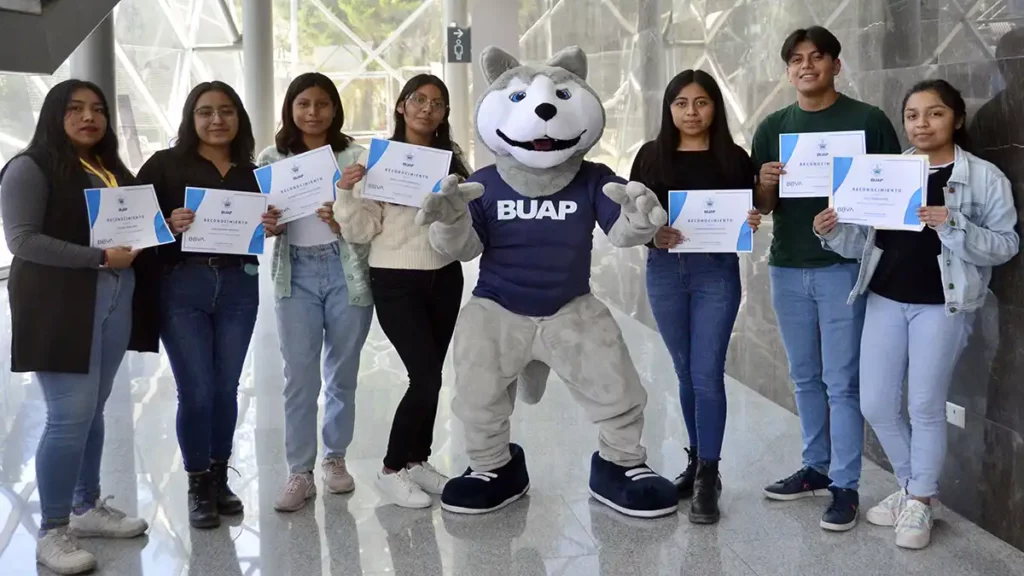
{"points": [[638, 491], [483, 492]]}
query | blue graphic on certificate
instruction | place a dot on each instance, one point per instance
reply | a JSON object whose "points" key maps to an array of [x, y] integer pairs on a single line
{"points": [[711, 220], [883, 191], [300, 185], [127, 216], [402, 173], [808, 161], [226, 222]]}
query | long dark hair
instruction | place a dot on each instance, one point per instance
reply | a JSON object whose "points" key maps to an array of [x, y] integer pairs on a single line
{"points": [[242, 147], [443, 135], [289, 137], [51, 147], [951, 97], [722, 146]]}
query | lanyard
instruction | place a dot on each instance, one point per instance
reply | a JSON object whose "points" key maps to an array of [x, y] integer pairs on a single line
{"points": [[103, 174]]}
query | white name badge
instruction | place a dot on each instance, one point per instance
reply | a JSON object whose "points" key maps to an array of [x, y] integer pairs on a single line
{"points": [[808, 161], [226, 222], [712, 220], [877, 190], [127, 216], [300, 185], [402, 173]]}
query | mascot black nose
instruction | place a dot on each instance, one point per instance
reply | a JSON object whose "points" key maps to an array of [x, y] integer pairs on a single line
{"points": [[546, 111]]}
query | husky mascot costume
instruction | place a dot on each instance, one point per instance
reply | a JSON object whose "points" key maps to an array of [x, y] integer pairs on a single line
{"points": [[530, 218]]}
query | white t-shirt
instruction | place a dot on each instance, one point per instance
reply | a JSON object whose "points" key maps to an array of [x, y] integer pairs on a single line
{"points": [[310, 231]]}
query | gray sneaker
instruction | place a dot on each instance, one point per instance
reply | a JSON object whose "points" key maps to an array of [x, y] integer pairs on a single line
{"points": [[296, 491], [336, 476]]}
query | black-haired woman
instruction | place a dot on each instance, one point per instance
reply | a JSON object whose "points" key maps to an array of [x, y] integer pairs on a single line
{"points": [[695, 296], [208, 302], [71, 309], [923, 291], [416, 290], [323, 302]]}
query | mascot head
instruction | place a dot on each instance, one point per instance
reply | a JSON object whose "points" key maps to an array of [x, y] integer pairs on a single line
{"points": [[538, 121]]}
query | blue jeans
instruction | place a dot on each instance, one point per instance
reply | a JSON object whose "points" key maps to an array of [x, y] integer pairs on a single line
{"points": [[70, 450], [207, 318], [695, 298], [821, 333], [317, 319], [919, 343]]}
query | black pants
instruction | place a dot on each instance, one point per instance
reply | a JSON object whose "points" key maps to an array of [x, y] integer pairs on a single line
{"points": [[417, 310]]}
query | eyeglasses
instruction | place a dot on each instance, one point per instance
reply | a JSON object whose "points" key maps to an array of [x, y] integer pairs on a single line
{"points": [[224, 112], [419, 102]]}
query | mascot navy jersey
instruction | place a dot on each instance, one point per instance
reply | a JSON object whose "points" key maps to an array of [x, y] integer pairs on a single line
{"points": [[536, 254]]}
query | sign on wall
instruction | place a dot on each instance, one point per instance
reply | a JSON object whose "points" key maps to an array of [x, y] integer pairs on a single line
{"points": [[459, 45]]}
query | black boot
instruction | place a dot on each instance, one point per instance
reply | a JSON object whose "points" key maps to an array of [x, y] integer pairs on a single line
{"points": [[228, 504], [684, 482], [707, 487], [202, 501]]}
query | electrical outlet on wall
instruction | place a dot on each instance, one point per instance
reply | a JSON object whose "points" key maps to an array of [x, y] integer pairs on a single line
{"points": [[956, 415]]}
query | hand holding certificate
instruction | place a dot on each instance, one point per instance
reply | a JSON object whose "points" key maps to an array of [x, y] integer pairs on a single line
{"points": [[711, 220], [883, 191], [808, 160], [226, 222], [402, 173], [300, 185], [127, 216]]}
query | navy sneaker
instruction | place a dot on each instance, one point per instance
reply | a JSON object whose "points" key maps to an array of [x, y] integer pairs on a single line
{"points": [[483, 492], [638, 491], [805, 483], [842, 512]]}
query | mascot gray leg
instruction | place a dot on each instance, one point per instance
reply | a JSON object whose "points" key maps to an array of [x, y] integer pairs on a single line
{"points": [[533, 381]]}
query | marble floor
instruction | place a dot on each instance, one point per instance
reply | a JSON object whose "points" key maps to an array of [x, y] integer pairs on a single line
{"points": [[557, 529]]}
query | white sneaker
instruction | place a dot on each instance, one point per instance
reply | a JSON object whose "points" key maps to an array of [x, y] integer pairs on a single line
{"points": [[886, 512], [296, 491], [59, 551], [428, 478], [104, 521], [400, 489], [914, 526]]}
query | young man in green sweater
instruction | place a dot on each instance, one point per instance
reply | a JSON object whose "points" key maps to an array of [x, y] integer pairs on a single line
{"points": [[810, 285]]}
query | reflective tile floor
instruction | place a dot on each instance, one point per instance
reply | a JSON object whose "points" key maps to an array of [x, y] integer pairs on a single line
{"points": [[557, 529]]}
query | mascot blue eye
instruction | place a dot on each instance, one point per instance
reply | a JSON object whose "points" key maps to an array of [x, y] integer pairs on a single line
{"points": [[563, 94], [517, 96]]}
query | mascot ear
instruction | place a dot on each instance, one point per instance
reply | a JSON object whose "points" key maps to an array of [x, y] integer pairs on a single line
{"points": [[572, 59], [495, 62]]}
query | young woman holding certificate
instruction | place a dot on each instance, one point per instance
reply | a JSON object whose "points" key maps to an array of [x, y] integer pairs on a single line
{"points": [[322, 290], [76, 339], [923, 290], [416, 290], [208, 302], [695, 296]]}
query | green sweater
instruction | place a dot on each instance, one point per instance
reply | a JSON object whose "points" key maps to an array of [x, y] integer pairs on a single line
{"points": [[353, 256], [794, 244]]}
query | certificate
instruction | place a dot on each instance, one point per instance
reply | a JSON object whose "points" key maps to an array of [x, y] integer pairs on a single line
{"points": [[226, 222], [127, 216], [808, 160], [402, 173], [300, 185], [883, 191], [712, 220]]}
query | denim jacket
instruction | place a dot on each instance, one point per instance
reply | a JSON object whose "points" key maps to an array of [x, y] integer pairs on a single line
{"points": [[353, 256], [978, 234]]}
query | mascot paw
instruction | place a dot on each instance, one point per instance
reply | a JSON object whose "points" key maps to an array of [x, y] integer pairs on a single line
{"points": [[533, 381], [451, 203], [637, 491], [639, 204], [483, 492]]}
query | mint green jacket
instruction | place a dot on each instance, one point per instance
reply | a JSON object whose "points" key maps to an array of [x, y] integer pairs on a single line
{"points": [[353, 256]]}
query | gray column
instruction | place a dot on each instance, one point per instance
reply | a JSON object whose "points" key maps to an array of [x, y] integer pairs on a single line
{"points": [[456, 76], [258, 66], [93, 60], [495, 23], [650, 49]]}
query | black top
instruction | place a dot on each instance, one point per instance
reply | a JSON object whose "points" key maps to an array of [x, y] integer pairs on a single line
{"points": [[171, 171], [908, 271]]}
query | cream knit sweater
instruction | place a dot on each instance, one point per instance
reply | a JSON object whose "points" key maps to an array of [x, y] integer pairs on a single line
{"points": [[396, 241]]}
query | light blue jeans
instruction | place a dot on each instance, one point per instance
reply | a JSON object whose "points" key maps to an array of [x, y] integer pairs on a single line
{"points": [[822, 333], [919, 343], [317, 319], [71, 447]]}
